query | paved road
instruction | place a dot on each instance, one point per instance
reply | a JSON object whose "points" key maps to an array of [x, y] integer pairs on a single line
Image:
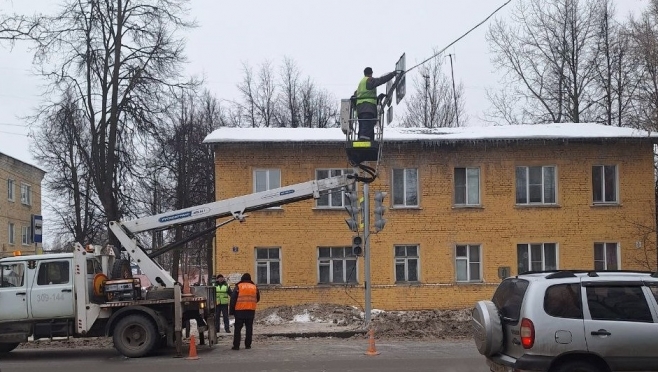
{"points": [[325, 355]]}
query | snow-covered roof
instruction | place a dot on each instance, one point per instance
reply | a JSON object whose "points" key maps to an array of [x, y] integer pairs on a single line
{"points": [[558, 131]]}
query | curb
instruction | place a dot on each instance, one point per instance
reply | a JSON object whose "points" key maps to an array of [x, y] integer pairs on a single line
{"points": [[337, 334]]}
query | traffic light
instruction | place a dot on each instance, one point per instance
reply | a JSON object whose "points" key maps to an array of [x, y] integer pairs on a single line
{"points": [[353, 208], [380, 222], [357, 245]]}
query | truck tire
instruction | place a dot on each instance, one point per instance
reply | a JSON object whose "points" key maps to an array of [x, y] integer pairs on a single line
{"points": [[7, 347], [487, 329], [135, 336], [121, 269]]}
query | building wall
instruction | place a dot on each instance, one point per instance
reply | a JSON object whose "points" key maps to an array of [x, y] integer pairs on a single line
{"points": [[15, 211], [436, 226]]}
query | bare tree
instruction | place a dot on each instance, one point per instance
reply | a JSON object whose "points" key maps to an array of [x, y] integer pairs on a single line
{"points": [[548, 56], [289, 108], [644, 32], [80, 217], [119, 58], [434, 103]]}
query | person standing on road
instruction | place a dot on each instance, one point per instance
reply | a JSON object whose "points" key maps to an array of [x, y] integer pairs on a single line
{"points": [[223, 296], [243, 307]]}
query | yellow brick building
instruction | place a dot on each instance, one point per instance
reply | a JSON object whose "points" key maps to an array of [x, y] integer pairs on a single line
{"points": [[20, 198], [462, 204]]}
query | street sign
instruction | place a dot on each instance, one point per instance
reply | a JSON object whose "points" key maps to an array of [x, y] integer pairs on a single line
{"points": [[37, 228], [389, 93], [401, 88]]}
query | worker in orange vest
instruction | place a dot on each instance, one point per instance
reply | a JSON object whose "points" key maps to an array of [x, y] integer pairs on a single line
{"points": [[243, 307]]}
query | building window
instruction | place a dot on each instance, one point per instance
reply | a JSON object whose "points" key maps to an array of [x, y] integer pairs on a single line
{"points": [[536, 257], [467, 186], [26, 237], [406, 263], [335, 199], [604, 184], [268, 266], [336, 265], [468, 263], [11, 233], [10, 190], [405, 187], [26, 194], [606, 256], [535, 185], [267, 179]]}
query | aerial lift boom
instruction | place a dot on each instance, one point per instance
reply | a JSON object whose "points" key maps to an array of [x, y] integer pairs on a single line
{"points": [[234, 207]]}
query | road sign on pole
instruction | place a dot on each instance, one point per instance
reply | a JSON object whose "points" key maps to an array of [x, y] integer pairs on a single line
{"points": [[401, 88], [37, 228]]}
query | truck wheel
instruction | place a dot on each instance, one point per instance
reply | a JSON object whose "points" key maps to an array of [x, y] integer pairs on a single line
{"points": [[5, 348], [121, 269], [487, 328], [135, 336]]}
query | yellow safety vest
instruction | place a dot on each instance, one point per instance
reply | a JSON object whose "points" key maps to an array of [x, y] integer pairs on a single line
{"points": [[363, 95]]}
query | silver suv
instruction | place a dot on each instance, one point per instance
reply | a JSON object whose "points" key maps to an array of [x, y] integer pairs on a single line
{"points": [[568, 321]]}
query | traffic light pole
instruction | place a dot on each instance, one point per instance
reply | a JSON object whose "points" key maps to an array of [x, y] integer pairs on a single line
{"points": [[366, 251]]}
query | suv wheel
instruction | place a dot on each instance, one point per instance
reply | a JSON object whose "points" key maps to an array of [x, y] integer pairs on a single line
{"points": [[576, 366], [487, 329]]}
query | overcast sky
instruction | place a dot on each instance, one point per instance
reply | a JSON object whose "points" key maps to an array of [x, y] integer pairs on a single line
{"points": [[331, 41]]}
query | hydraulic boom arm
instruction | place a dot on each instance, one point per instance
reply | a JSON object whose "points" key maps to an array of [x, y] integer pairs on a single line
{"points": [[125, 230]]}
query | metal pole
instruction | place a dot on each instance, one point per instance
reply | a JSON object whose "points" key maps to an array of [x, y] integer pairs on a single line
{"points": [[427, 87], [366, 249], [454, 92]]}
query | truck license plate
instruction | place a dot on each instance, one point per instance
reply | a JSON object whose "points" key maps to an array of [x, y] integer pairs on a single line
{"points": [[495, 367]]}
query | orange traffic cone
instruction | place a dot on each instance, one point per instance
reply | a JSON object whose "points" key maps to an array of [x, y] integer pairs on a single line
{"points": [[192, 355], [371, 343]]}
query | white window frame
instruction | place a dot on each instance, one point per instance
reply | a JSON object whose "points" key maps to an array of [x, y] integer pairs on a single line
{"points": [[602, 185], [12, 237], [267, 262], [268, 186], [543, 255], [25, 235], [26, 194], [333, 260], [469, 260], [606, 246], [405, 188], [332, 172], [467, 185], [527, 185], [404, 260], [10, 189]]}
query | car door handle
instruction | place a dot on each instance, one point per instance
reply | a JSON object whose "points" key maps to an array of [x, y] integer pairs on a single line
{"points": [[601, 332], [66, 290], [21, 293]]}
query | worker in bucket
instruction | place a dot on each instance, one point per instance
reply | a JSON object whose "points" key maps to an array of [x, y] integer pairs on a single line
{"points": [[366, 102], [223, 296]]}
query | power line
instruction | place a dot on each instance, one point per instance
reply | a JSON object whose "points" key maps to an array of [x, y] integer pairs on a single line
{"points": [[15, 134], [461, 37]]}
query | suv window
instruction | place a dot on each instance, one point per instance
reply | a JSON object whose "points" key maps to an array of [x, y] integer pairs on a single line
{"points": [[564, 301], [509, 297], [621, 303], [654, 290]]}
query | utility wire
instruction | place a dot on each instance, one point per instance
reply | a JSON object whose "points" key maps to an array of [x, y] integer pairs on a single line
{"points": [[461, 37]]}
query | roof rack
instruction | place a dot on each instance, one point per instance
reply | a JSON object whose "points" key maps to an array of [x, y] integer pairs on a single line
{"points": [[568, 273]]}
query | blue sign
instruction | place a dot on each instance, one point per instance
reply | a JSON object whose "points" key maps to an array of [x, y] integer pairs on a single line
{"points": [[37, 228]]}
